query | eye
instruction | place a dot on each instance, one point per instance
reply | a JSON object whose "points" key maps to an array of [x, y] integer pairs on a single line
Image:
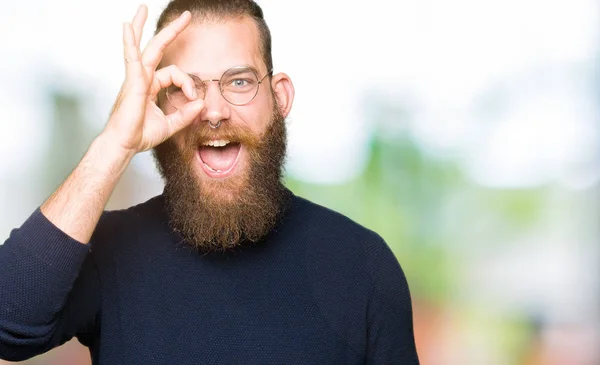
{"points": [[239, 82]]}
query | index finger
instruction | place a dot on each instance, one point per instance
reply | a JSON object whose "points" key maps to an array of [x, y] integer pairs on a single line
{"points": [[153, 52]]}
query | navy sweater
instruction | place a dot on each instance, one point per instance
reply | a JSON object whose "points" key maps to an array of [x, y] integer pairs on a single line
{"points": [[319, 289]]}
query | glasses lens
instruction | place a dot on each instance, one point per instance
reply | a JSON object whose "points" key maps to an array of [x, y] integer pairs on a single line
{"points": [[178, 99], [239, 85]]}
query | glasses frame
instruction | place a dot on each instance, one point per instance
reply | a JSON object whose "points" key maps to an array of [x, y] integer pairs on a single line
{"points": [[205, 86]]}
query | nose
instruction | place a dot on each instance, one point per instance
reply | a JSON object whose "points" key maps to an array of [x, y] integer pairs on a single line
{"points": [[216, 108]]}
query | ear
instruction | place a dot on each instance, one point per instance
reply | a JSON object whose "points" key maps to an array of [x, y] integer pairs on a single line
{"points": [[284, 92]]}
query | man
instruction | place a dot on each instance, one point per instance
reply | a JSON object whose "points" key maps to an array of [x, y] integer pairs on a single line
{"points": [[227, 266]]}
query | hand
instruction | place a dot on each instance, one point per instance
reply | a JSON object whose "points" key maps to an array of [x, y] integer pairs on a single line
{"points": [[136, 123]]}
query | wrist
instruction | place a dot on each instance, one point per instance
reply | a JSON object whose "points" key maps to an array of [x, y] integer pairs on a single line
{"points": [[106, 155]]}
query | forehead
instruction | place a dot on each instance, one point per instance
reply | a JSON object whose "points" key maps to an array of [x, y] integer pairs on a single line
{"points": [[210, 48]]}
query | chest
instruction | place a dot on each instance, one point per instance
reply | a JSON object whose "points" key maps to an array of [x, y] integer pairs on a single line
{"points": [[222, 311]]}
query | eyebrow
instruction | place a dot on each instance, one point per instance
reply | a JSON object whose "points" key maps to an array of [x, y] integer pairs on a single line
{"points": [[195, 76], [237, 71]]}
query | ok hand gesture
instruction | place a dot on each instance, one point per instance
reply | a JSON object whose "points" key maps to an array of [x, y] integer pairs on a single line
{"points": [[136, 123]]}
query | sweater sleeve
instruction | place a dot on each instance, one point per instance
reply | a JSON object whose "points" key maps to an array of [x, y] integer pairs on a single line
{"points": [[390, 321], [49, 290]]}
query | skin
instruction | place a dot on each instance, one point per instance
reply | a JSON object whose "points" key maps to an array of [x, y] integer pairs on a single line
{"points": [[137, 124]]}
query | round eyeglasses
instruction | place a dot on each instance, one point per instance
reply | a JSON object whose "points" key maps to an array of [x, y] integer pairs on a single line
{"points": [[238, 85]]}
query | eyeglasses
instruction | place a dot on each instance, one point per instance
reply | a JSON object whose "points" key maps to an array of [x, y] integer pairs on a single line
{"points": [[238, 85]]}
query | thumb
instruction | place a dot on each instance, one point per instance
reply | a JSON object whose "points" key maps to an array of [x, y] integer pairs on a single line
{"points": [[184, 117]]}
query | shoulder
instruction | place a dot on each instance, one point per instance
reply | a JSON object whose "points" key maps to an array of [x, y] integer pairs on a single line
{"points": [[326, 225], [118, 225], [334, 242], [319, 219], [149, 209]]}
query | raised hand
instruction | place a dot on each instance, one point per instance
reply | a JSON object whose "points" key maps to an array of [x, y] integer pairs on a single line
{"points": [[136, 123]]}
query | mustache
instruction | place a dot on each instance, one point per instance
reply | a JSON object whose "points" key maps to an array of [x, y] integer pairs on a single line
{"points": [[201, 133]]}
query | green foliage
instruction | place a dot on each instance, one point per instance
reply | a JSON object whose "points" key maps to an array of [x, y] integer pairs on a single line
{"points": [[69, 139], [425, 209]]}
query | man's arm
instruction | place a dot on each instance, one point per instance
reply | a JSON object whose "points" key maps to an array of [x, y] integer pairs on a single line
{"points": [[134, 126], [47, 291], [42, 272], [75, 207]]}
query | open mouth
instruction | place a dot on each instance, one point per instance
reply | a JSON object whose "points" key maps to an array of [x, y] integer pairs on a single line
{"points": [[219, 157]]}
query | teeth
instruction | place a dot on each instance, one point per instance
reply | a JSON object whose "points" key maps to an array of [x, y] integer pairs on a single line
{"points": [[217, 143]]}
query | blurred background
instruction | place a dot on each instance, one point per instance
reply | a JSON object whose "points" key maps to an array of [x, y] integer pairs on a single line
{"points": [[465, 132]]}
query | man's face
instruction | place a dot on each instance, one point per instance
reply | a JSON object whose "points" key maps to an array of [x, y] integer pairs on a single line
{"points": [[207, 50], [219, 196]]}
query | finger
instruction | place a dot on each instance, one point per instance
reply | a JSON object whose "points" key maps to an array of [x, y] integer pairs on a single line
{"points": [[184, 116], [173, 75], [134, 70], [153, 53], [138, 23]]}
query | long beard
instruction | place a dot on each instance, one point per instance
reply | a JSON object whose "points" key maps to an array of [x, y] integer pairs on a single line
{"points": [[217, 215]]}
